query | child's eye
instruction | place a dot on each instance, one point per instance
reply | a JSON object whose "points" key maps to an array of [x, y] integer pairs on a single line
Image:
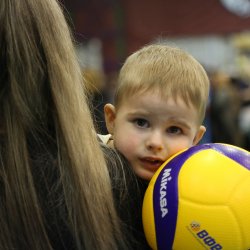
{"points": [[142, 123], [174, 130]]}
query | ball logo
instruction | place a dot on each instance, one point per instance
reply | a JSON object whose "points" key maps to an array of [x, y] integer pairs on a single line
{"points": [[208, 240], [203, 236], [166, 177], [195, 226]]}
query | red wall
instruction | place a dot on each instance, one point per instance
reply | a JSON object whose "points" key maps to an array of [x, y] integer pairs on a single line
{"points": [[146, 19], [125, 25]]}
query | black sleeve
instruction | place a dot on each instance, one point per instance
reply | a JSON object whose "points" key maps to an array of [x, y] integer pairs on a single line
{"points": [[128, 192]]}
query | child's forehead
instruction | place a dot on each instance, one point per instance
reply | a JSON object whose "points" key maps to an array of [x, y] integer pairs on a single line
{"points": [[147, 95], [154, 105]]}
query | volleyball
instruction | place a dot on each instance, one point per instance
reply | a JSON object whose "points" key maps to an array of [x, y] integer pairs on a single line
{"points": [[200, 199]]}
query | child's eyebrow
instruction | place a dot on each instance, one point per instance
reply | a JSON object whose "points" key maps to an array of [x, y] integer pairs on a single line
{"points": [[140, 112], [143, 114], [179, 121]]}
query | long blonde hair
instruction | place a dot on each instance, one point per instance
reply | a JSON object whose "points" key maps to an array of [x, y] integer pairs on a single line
{"points": [[41, 90]]}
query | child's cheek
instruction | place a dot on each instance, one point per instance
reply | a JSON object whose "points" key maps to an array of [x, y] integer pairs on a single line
{"points": [[177, 147], [127, 145]]}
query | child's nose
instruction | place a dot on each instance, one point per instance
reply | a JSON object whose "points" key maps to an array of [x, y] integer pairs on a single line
{"points": [[155, 142]]}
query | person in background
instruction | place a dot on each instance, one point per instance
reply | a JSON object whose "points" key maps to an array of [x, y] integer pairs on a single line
{"points": [[159, 107], [225, 109], [55, 187]]}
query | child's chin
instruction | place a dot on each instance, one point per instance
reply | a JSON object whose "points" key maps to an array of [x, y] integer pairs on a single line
{"points": [[144, 174]]}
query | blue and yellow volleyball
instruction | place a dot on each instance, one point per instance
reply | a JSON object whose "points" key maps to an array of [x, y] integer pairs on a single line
{"points": [[200, 199]]}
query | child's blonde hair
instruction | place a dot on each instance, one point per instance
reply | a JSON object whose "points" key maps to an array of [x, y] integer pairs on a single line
{"points": [[169, 70]]}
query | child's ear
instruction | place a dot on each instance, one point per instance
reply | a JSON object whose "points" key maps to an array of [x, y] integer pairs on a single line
{"points": [[109, 112], [201, 131]]}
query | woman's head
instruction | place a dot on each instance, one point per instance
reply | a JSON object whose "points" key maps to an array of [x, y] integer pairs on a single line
{"points": [[42, 101], [36, 54]]}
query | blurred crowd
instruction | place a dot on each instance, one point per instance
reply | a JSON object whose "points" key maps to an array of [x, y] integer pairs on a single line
{"points": [[229, 110]]}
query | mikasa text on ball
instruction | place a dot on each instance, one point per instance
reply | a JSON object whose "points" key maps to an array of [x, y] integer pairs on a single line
{"points": [[200, 199]]}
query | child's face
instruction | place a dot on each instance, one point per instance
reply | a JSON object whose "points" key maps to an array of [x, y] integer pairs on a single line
{"points": [[148, 129]]}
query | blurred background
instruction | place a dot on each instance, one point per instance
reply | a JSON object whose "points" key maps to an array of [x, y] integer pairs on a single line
{"points": [[215, 32]]}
